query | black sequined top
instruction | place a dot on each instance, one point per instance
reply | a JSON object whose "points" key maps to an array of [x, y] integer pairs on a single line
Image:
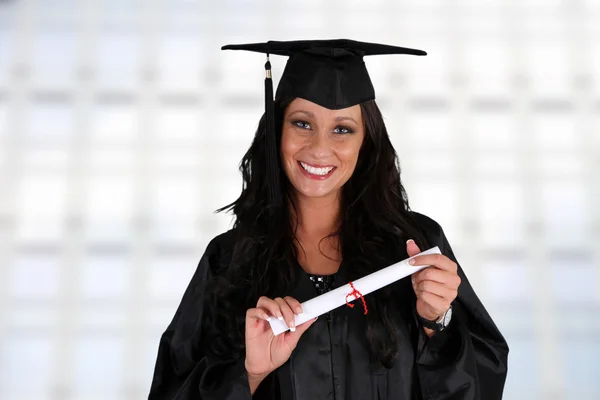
{"points": [[323, 283]]}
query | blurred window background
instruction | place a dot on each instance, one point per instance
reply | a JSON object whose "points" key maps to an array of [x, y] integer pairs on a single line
{"points": [[122, 125]]}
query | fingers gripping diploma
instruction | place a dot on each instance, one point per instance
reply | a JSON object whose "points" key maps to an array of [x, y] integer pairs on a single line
{"points": [[435, 287], [266, 351]]}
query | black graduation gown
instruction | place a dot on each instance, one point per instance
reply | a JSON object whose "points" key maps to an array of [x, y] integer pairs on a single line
{"points": [[467, 361]]}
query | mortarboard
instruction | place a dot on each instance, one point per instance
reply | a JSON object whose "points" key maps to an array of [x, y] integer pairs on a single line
{"points": [[330, 73]]}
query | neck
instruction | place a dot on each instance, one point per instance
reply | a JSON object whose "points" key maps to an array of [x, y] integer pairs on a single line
{"points": [[317, 217]]}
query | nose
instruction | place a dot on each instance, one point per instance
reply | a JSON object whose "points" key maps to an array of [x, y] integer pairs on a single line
{"points": [[319, 144]]}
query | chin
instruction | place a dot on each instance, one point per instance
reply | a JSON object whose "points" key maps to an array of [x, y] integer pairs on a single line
{"points": [[316, 193]]}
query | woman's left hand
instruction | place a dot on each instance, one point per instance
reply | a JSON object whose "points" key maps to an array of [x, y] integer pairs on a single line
{"points": [[436, 287]]}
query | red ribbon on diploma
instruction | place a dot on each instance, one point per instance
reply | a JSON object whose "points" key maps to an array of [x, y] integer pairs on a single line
{"points": [[357, 295]]}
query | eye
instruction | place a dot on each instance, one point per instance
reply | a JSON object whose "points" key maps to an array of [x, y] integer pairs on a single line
{"points": [[301, 124], [343, 130]]}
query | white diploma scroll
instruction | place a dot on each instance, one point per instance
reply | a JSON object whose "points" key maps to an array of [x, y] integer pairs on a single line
{"points": [[333, 299]]}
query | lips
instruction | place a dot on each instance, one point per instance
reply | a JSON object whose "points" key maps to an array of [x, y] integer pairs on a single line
{"points": [[316, 172]]}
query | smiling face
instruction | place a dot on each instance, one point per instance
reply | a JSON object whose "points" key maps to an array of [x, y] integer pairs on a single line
{"points": [[320, 147]]}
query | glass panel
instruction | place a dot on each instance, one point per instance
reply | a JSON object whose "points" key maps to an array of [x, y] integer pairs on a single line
{"points": [[49, 123], [118, 59], [54, 58], [581, 367], [494, 130], [99, 365], [573, 281], [177, 123], [26, 363], [507, 280], [548, 60], [487, 61], [524, 367], [35, 277], [6, 57], [41, 207], [106, 277], [431, 129], [556, 131], [180, 61], [426, 199], [115, 123]]}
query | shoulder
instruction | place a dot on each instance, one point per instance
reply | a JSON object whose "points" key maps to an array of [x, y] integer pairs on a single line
{"points": [[430, 228], [425, 222], [223, 242], [219, 250]]}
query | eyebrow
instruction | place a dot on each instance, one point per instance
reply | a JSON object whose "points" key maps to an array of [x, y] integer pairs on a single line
{"points": [[311, 115]]}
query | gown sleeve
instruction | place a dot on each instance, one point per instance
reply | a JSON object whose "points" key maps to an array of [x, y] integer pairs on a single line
{"points": [[468, 360], [184, 368]]}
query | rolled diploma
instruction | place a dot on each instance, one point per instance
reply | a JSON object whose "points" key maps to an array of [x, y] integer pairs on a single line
{"points": [[328, 301]]}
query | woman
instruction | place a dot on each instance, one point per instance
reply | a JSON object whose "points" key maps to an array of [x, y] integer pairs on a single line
{"points": [[322, 205]]}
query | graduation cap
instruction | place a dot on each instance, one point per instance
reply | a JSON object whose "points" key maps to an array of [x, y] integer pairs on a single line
{"points": [[330, 73]]}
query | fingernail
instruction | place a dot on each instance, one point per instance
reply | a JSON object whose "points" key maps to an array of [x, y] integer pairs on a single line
{"points": [[412, 261], [279, 317], [299, 311], [268, 319], [409, 240], [291, 324], [292, 328]]}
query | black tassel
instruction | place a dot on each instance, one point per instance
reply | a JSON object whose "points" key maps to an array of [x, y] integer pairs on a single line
{"points": [[273, 167]]}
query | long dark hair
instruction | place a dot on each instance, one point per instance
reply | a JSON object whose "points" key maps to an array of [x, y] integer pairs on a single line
{"points": [[375, 223]]}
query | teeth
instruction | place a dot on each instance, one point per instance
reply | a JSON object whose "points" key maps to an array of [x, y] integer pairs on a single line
{"points": [[316, 171]]}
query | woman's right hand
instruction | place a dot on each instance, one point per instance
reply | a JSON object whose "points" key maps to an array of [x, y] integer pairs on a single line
{"points": [[266, 352]]}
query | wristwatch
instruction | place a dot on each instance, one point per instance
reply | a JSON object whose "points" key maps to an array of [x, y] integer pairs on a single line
{"points": [[439, 325]]}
